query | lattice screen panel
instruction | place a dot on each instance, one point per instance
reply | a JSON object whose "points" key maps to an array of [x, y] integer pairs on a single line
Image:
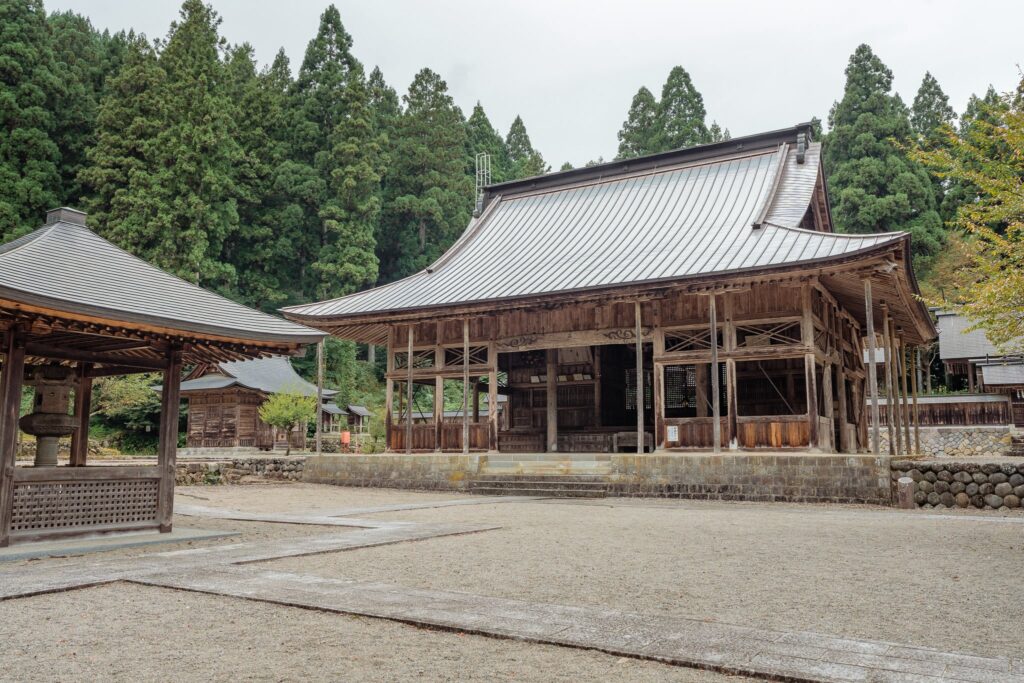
{"points": [[43, 506]]}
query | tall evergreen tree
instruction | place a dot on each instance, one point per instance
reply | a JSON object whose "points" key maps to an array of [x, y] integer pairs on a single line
{"points": [[429, 196], [481, 136], [681, 114], [639, 130], [30, 90], [717, 134], [525, 160], [874, 187], [930, 111]]}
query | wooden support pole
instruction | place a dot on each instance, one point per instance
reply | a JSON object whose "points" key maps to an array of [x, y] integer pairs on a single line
{"points": [[319, 396], [917, 414], [731, 401], [438, 397], [492, 397], [844, 442], [167, 452], [11, 378], [905, 403], [408, 392], [465, 385], [890, 417], [659, 391], [552, 399], [83, 399], [371, 353], [826, 397], [897, 402], [597, 386], [639, 379], [872, 366], [476, 402], [810, 369], [716, 425], [389, 389]]}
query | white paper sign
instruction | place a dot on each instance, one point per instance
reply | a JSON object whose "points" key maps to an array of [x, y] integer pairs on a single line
{"points": [[673, 433]]}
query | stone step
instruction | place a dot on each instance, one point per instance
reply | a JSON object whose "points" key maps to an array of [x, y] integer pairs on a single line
{"points": [[540, 492]]}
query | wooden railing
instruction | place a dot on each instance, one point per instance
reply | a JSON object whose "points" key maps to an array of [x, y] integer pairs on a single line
{"points": [[958, 409], [773, 431], [694, 432]]}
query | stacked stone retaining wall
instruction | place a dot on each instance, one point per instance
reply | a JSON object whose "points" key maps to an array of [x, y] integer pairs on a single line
{"points": [[233, 471], [987, 486], [967, 441]]}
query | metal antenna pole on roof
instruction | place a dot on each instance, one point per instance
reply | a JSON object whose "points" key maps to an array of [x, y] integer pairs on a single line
{"points": [[483, 179]]}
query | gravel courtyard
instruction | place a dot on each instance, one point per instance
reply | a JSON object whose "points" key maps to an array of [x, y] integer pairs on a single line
{"points": [[941, 580]]}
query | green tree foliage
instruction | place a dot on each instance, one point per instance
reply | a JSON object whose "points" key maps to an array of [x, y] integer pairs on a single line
{"points": [[681, 113], [30, 90], [717, 134], [640, 128], [429, 196], [988, 156], [874, 186], [525, 161], [482, 137], [930, 111], [286, 411]]}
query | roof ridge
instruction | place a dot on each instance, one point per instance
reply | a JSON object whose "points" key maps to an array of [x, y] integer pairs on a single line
{"points": [[28, 238], [845, 235]]}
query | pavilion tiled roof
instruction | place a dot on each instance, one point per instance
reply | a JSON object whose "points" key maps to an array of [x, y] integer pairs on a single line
{"points": [[270, 375]]}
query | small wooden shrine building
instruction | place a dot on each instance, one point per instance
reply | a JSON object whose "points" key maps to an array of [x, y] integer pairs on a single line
{"points": [[224, 400], [694, 299], [73, 307]]}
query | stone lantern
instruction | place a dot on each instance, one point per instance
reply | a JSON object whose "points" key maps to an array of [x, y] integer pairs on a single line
{"points": [[49, 419]]}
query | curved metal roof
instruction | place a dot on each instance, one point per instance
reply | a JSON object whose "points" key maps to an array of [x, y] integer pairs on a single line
{"points": [[64, 266], [271, 375], [669, 222]]}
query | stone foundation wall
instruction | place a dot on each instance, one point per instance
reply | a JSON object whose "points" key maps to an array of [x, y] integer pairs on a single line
{"points": [[430, 472], [958, 442], [804, 478], [232, 471], [988, 486]]}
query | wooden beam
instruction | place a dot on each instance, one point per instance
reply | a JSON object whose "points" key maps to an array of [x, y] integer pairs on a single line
{"points": [[716, 424], [552, 400], [83, 398], [639, 344], [465, 385], [872, 367], [408, 392], [168, 448], [11, 377], [57, 353]]}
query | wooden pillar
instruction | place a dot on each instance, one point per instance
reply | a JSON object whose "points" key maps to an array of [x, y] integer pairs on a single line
{"points": [[371, 354], [716, 425], [167, 451], [438, 393], [408, 393], [897, 397], [11, 378], [917, 414], [700, 378], [659, 390], [844, 442], [872, 366], [492, 397], [597, 385], [810, 370], [905, 403], [970, 377], [319, 396], [890, 417], [465, 385], [389, 388], [476, 402], [729, 342], [83, 399], [639, 379], [552, 400]]}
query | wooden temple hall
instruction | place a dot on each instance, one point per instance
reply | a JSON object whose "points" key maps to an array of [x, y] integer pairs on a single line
{"points": [[73, 307], [695, 299]]}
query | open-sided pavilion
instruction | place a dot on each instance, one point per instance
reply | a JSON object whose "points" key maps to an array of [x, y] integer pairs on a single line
{"points": [[695, 299], [74, 307]]}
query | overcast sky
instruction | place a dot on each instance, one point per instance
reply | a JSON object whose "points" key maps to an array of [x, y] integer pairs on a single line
{"points": [[571, 67]]}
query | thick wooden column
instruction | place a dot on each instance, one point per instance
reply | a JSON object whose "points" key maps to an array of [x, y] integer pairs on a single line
{"points": [[167, 452], [659, 391], [716, 425], [917, 413], [700, 378], [905, 403], [319, 396], [890, 416], [810, 370], [552, 400], [639, 379], [83, 399], [492, 397], [465, 385], [731, 401], [408, 392], [597, 385], [844, 442], [872, 366], [389, 388], [11, 378], [438, 392]]}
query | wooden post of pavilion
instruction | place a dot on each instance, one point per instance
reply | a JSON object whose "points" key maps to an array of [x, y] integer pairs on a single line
{"points": [[716, 426], [167, 451], [408, 392], [872, 366], [639, 378], [439, 392], [11, 377], [465, 385], [389, 388], [729, 342], [552, 399], [897, 402], [83, 399], [905, 403], [810, 369], [844, 442], [889, 398], [917, 414], [319, 395], [492, 397]]}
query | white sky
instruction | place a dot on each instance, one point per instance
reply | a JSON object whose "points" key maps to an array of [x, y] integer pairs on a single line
{"points": [[571, 67]]}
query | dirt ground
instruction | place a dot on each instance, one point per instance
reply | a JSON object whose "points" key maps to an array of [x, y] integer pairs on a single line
{"points": [[946, 581]]}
